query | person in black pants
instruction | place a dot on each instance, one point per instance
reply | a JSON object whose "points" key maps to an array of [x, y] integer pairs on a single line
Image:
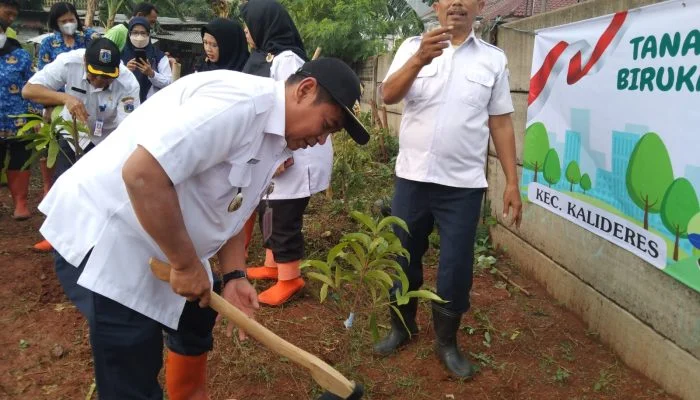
{"points": [[454, 103]]}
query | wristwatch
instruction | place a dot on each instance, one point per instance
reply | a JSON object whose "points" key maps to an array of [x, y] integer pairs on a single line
{"points": [[229, 276]]}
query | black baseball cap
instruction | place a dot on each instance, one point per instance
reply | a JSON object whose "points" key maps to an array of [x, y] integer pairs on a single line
{"points": [[343, 85], [103, 58]]}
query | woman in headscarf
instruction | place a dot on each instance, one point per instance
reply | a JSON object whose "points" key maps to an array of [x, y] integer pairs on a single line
{"points": [[225, 46], [279, 52], [149, 64]]}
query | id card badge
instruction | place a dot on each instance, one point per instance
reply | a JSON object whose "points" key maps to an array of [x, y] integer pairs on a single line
{"points": [[98, 128], [267, 224]]}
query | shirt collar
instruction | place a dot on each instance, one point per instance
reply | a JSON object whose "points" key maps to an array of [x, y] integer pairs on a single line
{"points": [[276, 120], [470, 38]]}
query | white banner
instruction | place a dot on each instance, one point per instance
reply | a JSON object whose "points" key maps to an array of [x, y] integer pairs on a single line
{"points": [[614, 131], [618, 230]]}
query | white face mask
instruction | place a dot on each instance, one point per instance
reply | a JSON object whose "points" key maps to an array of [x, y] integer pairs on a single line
{"points": [[69, 28], [3, 39], [139, 41]]}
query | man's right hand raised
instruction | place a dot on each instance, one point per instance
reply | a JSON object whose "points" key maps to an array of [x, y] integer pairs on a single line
{"points": [[76, 108], [432, 45]]}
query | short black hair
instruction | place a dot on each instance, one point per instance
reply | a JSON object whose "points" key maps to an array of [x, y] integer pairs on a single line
{"points": [[322, 95], [57, 10], [10, 3], [144, 9]]}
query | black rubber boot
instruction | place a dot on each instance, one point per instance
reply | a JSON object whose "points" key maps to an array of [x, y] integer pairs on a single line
{"points": [[446, 323], [398, 334]]}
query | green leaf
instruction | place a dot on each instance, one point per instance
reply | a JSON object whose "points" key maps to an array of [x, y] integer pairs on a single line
{"points": [[380, 276], [365, 220], [373, 327], [425, 294], [396, 310], [319, 265], [359, 252], [401, 299], [27, 116], [376, 243], [324, 292], [335, 252], [393, 221], [53, 153], [319, 277], [28, 126], [353, 261], [357, 237], [32, 159]]}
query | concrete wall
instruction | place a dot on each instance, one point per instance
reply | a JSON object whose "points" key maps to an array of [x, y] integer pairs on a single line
{"points": [[651, 320]]}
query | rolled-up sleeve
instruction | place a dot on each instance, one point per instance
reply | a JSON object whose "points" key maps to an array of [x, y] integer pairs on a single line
{"points": [[197, 135]]}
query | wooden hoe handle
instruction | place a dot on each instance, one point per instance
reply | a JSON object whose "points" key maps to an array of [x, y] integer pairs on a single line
{"points": [[325, 375]]}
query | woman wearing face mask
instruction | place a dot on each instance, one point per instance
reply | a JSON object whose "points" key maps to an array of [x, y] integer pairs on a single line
{"points": [[69, 33], [149, 64], [224, 46]]}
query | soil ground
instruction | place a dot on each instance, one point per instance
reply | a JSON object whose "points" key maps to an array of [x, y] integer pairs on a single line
{"points": [[534, 349]]}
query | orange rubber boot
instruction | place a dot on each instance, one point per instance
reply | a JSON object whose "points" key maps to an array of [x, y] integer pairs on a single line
{"points": [[289, 282], [267, 271], [186, 376], [46, 175], [44, 246], [18, 183]]}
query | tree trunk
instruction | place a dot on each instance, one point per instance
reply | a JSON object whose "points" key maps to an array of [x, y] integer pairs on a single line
{"points": [[110, 20], [646, 213], [90, 12], [675, 248], [535, 172]]}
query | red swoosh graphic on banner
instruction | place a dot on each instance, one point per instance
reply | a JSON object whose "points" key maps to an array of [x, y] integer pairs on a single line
{"points": [[575, 73]]}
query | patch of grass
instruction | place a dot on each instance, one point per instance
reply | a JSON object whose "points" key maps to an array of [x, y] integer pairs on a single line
{"points": [[486, 360], [567, 350], [406, 382], [485, 325], [561, 375], [423, 353], [606, 379]]}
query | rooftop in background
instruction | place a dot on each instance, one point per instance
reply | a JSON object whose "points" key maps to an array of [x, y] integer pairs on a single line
{"points": [[166, 22], [522, 8]]}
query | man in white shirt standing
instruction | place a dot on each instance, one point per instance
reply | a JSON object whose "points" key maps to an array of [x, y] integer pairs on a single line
{"points": [[177, 181], [455, 91], [99, 92]]}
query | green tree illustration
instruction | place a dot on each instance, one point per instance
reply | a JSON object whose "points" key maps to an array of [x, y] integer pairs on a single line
{"points": [[585, 183], [573, 174], [536, 147], [552, 168], [679, 205], [649, 174]]}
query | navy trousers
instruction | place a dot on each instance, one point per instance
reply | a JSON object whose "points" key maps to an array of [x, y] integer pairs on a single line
{"points": [[127, 347], [456, 212]]}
